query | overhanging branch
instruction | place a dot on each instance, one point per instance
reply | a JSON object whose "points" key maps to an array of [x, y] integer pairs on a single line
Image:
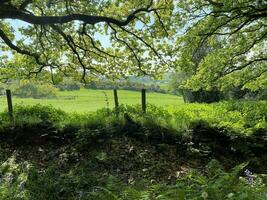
{"points": [[7, 12], [9, 43]]}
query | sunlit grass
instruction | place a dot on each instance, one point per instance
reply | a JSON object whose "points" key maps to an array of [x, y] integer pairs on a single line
{"points": [[85, 100]]}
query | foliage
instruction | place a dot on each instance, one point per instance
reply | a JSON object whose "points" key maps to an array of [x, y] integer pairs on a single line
{"points": [[68, 84], [243, 117], [219, 44], [23, 181], [13, 179], [234, 115], [32, 116], [124, 85], [216, 185], [241, 125], [237, 116], [239, 93], [178, 79], [236, 35], [2, 89], [44, 113], [101, 152], [35, 90], [134, 33], [234, 126]]}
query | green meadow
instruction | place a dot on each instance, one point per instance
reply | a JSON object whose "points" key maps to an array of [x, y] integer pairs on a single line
{"points": [[88, 100]]}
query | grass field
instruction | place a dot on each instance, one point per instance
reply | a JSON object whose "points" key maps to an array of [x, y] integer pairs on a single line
{"points": [[85, 100]]}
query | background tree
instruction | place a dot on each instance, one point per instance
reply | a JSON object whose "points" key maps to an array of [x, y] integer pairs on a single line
{"points": [[236, 31], [181, 76]]}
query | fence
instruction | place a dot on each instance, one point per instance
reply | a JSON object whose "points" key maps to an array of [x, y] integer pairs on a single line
{"points": [[115, 94]]}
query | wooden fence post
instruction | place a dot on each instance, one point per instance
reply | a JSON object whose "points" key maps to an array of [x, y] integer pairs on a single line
{"points": [[143, 100], [9, 103], [116, 100]]}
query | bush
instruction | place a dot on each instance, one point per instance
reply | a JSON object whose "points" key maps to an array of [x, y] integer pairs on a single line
{"points": [[43, 113], [69, 84], [36, 90], [32, 116]]}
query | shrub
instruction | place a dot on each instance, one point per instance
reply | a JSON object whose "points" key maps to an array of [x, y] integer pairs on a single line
{"points": [[36, 90], [31, 116], [44, 113], [69, 84]]}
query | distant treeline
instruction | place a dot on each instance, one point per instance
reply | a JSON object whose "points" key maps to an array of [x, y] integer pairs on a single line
{"points": [[36, 90], [125, 85], [40, 90], [69, 84]]}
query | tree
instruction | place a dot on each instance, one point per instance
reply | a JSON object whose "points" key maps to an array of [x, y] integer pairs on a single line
{"points": [[64, 36], [194, 94], [236, 31]]}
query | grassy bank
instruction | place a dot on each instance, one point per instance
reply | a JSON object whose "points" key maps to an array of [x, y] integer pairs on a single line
{"points": [[194, 151]]}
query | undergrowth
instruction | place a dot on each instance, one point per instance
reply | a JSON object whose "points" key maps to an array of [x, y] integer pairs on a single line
{"points": [[25, 181], [244, 117], [46, 153]]}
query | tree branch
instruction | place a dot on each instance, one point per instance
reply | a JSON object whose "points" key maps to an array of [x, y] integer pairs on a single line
{"points": [[7, 12], [71, 44], [9, 43], [25, 4], [130, 48], [236, 68], [218, 4]]}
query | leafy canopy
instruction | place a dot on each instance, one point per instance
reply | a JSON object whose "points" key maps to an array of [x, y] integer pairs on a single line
{"points": [[217, 43], [232, 35], [85, 39]]}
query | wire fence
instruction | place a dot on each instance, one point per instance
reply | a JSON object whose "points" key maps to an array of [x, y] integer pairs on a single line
{"points": [[143, 100]]}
